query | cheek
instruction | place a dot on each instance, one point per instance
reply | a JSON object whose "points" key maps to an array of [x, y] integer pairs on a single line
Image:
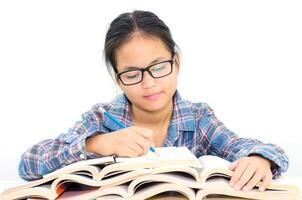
{"points": [[170, 82], [131, 92]]}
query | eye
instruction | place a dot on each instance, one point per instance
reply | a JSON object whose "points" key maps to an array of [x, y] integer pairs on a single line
{"points": [[132, 74], [159, 67]]}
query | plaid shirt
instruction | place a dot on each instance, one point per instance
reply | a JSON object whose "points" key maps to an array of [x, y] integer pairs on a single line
{"points": [[193, 125]]}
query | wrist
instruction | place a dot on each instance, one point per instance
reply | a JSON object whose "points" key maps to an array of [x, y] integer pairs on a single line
{"points": [[105, 144], [90, 144], [99, 144]]}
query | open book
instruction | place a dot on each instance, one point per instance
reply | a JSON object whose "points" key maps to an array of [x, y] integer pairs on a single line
{"points": [[175, 170]]}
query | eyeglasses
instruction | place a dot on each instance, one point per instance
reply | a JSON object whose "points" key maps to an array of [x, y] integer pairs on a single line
{"points": [[156, 70]]}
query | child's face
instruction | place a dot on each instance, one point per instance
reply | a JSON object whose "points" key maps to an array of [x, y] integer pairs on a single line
{"points": [[150, 94]]}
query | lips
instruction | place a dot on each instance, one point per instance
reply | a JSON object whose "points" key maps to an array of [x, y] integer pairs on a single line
{"points": [[152, 96]]}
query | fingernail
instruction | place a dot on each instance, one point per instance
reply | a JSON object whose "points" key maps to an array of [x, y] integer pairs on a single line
{"points": [[237, 187], [261, 189]]}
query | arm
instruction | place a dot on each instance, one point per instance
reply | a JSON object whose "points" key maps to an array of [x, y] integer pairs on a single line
{"points": [[224, 143], [49, 155], [83, 141]]}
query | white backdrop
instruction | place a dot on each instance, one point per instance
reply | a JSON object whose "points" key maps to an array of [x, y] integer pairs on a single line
{"points": [[241, 57]]}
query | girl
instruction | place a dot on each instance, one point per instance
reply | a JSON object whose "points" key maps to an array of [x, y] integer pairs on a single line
{"points": [[142, 56]]}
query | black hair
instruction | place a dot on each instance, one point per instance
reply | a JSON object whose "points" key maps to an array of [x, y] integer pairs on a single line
{"points": [[125, 25]]}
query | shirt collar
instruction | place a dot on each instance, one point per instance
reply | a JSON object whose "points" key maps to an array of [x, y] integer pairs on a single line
{"points": [[182, 117]]}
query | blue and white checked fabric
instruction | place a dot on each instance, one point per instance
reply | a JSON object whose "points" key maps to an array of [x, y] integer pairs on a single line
{"points": [[193, 125]]}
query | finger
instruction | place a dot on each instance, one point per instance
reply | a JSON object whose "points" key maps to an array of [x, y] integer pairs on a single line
{"points": [[130, 152], [145, 132], [245, 177], [135, 147], [253, 181], [141, 141], [241, 166], [126, 151], [233, 165], [266, 181]]}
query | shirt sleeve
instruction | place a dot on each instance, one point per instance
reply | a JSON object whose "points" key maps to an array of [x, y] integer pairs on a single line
{"points": [[226, 144], [49, 155]]}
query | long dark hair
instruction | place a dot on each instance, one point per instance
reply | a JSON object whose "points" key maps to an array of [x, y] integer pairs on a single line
{"points": [[122, 28]]}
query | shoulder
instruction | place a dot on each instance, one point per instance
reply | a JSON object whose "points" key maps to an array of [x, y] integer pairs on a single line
{"points": [[118, 102], [117, 105], [202, 109], [197, 109]]}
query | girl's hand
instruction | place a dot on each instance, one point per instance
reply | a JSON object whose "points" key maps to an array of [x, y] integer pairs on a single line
{"points": [[249, 171], [128, 142]]}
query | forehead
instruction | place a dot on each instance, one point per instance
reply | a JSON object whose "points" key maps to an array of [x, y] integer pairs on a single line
{"points": [[139, 51]]}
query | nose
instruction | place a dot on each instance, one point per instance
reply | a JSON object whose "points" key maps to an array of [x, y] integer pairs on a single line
{"points": [[148, 81]]}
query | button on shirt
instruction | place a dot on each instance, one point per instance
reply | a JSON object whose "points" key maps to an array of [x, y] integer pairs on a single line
{"points": [[193, 125]]}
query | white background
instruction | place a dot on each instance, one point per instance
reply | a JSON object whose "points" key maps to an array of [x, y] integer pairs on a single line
{"points": [[241, 57]]}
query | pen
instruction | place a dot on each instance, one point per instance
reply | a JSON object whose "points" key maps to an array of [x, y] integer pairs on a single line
{"points": [[121, 125]]}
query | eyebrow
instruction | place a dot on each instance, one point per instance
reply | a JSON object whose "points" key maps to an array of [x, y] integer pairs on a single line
{"points": [[136, 67]]}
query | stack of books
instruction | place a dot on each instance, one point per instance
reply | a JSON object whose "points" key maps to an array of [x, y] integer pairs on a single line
{"points": [[175, 170]]}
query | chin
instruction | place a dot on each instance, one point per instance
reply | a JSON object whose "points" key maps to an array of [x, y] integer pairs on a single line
{"points": [[153, 107]]}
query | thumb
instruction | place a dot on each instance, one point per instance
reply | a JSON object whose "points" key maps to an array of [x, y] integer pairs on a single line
{"points": [[233, 165]]}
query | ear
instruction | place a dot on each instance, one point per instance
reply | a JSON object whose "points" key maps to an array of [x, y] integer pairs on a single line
{"points": [[177, 60]]}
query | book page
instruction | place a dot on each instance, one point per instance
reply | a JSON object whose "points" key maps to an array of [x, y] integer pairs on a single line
{"points": [[221, 186], [77, 166], [176, 155], [209, 161], [117, 191], [149, 190], [214, 166]]}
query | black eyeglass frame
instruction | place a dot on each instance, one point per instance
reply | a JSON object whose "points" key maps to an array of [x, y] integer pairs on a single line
{"points": [[142, 70]]}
